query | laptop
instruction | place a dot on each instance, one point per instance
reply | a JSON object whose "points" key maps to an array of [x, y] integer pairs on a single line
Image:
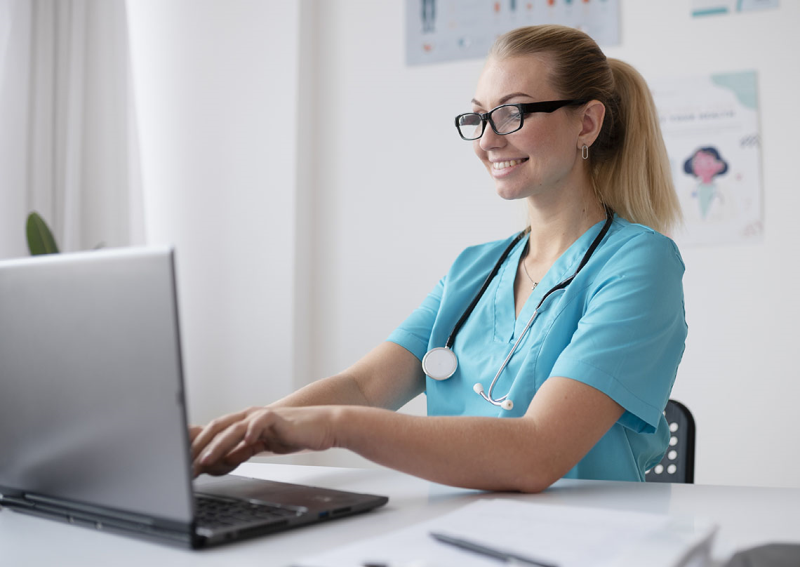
{"points": [[93, 427]]}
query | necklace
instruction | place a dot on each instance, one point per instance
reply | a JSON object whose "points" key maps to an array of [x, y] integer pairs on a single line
{"points": [[534, 284]]}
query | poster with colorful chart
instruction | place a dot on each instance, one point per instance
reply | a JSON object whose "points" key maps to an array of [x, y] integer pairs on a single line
{"points": [[716, 7], [450, 30], [710, 127]]}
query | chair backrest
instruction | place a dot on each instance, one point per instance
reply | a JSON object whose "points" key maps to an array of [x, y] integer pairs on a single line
{"points": [[678, 462]]}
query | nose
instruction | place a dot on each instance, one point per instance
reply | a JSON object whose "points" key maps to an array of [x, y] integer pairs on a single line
{"points": [[490, 140]]}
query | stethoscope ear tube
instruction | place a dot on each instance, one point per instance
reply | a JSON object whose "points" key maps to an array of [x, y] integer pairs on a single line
{"points": [[503, 402]]}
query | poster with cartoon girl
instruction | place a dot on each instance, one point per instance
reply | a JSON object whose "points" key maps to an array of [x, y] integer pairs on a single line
{"points": [[711, 132]]}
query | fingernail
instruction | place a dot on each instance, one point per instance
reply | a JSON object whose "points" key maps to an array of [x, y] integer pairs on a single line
{"points": [[205, 458]]}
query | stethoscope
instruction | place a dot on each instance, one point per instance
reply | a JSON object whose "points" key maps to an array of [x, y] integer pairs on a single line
{"points": [[440, 363]]}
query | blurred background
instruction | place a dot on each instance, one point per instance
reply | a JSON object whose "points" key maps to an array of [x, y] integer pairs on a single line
{"points": [[315, 189]]}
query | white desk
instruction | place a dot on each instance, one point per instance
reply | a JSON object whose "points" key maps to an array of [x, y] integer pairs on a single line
{"points": [[746, 516]]}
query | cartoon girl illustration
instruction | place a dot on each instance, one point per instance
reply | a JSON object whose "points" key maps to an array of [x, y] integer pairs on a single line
{"points": [[705, 164]]}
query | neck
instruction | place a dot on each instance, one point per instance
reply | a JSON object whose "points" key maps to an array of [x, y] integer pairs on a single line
{"points": [[556, 225]]}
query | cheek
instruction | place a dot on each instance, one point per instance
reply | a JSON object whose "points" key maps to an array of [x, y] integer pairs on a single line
{"points": [[704, 168], [541, 140]]}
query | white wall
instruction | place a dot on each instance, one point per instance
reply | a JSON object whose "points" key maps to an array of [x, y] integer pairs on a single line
{"points": [[216, 97], [309, 177], [116, 216]]}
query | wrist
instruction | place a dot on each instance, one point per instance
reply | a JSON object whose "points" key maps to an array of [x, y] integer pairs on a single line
{"points": [[341, 419]]}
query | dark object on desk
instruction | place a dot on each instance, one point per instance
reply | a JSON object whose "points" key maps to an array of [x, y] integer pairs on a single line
{"points": [[677, 465], [93, 413], [771, 555]]}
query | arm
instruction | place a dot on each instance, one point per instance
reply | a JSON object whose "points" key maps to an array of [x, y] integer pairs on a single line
{"points": [[387, 377], [565, 419]]}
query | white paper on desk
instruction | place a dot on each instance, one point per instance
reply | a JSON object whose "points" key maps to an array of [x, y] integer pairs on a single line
{"points": [[565, 535]]}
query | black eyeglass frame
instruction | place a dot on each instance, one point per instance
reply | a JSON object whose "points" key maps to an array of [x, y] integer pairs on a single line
{"points": [[523, 107]]}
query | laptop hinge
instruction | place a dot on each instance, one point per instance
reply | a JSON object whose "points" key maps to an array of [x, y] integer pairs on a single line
{"points": [[95, 517], [58, 504]]}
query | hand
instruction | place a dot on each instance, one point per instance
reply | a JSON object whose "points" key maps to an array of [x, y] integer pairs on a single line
{"points": [[223, 466], [228, 441]]}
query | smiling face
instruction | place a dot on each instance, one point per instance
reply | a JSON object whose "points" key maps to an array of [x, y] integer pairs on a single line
{"points": [[705, 166], [543, 158]]}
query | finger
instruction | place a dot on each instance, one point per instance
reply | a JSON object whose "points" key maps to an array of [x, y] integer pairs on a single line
{"points": [[260, 425], [280, 448], [194, 431], [224, 443], [230, 461], [270, 429], [243, 453], [212, 429]]}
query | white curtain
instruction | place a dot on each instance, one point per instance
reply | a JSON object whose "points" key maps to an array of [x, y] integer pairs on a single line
{"points": [[68, 145]]}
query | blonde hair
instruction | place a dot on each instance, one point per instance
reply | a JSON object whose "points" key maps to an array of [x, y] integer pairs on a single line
{"points": [[628, 161]]}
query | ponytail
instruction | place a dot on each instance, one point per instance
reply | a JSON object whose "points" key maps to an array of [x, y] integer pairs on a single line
{"points": [[628, 161], [634, 176]]}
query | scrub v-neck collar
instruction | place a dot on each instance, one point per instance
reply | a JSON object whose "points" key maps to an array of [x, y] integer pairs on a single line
{"points": [[506, 325]]}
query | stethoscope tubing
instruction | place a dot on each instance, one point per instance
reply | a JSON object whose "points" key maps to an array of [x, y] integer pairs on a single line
{"points": [[463, 319], [504, 402], [488, 395]]}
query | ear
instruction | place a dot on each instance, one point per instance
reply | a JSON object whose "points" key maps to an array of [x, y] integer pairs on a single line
{"points": [[591, 122]]}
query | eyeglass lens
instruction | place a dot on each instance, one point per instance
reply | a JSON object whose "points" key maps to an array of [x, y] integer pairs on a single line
{"points": [[470, 126], [505, 119]]}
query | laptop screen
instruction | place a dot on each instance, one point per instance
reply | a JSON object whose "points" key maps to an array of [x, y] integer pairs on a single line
{"points": [[91, 397]]}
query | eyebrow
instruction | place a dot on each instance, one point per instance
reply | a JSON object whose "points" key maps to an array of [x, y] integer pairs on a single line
{"points": [[504, 99]]}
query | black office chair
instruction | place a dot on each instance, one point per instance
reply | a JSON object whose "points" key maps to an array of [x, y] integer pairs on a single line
{"points": [[678, 463]]}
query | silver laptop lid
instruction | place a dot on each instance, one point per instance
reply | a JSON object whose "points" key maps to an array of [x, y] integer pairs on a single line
{"points": [[91, 399]]}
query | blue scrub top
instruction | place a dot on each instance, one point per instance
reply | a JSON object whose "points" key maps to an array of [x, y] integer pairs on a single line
{"points": [[618, 327]]}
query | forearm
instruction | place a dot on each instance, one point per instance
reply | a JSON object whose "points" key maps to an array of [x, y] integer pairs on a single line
{"points": [[387, 377], [334, 390], [471, 452]]}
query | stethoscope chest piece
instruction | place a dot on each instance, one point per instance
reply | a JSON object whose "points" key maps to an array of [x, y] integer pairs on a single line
{"points": [[439, 363]]}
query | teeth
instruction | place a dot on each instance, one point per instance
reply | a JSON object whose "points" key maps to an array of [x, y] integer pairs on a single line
{"points": [[505, 164]]}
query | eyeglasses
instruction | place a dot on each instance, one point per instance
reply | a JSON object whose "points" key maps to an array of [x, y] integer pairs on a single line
{"points": [[506, 118]]}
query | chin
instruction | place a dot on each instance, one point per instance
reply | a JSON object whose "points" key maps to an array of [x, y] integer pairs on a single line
{"points": [[509, 194]]}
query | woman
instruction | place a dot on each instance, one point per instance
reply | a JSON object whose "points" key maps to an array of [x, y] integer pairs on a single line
{"points": [[586, 363]]}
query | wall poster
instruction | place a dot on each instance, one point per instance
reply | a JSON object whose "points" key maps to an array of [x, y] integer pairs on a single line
{"points": [[716, 7], [450, 30], [710, 127]]}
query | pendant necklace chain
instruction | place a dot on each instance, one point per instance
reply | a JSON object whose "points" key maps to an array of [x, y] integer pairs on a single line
{"points": [[525, 268]]}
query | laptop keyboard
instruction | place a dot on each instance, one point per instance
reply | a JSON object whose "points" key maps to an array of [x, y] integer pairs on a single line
{"points": [[213, 512]]}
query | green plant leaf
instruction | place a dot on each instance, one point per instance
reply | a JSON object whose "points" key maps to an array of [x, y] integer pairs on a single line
{"points": [[40, 239]]}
